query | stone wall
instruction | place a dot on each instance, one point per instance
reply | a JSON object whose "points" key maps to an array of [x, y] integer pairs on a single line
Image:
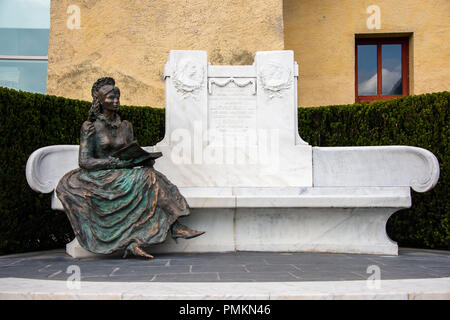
{"points": [[322, 35], [131, 40]]}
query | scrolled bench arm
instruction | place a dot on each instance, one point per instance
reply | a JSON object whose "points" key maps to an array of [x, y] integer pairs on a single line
{"points": [[47, 165], [375, 166]]}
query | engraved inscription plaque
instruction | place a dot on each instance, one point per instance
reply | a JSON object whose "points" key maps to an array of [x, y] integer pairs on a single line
{"points": [[232, 109]]}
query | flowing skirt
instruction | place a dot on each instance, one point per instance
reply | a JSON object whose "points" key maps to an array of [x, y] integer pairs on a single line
{"points": [[111, 209]]}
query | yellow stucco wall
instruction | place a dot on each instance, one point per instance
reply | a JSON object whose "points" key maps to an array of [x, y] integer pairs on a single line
{"points": [[322, 35], [131, 40]]}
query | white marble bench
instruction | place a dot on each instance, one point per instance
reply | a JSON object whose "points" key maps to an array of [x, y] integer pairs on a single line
{"points": [[270, 190], [346, 210]]}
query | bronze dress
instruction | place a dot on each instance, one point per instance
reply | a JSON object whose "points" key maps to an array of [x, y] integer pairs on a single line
{"points": [[113, 208]]}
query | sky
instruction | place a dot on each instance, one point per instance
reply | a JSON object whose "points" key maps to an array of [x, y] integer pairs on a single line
{"points": [[390, 78], [25, 14], [367, 68]]}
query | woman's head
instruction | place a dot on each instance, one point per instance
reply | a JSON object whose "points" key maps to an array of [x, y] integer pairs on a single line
{"points": [[105, 95]]}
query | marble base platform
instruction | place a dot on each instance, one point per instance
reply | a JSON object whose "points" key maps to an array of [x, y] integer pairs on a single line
{"points": [[408, 289]]}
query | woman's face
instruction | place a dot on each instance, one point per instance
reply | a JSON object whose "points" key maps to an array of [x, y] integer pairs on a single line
{"points": [[112, 101]]}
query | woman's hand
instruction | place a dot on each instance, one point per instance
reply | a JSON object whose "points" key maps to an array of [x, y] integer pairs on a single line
{"points": [[116, 163], [126, 163]]}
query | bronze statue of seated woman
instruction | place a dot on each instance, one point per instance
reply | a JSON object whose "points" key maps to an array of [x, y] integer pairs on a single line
{"points": [[118, 204]]}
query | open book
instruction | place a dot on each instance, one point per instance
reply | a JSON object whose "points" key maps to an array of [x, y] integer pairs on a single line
{"points": [[135, 152]]}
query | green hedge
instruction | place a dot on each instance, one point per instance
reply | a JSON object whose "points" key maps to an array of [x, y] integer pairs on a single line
{"points": [[30, 121]]}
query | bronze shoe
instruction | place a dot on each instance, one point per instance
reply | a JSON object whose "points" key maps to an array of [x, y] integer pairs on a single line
{"points": [[179, 230], [134, 249]]}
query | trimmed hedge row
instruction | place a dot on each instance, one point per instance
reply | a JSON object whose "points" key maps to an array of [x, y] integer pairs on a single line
{"points": [[30, 121]]}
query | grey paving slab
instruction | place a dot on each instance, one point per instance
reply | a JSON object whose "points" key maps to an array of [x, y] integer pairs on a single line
{"points": [[330, 277], [435, 268], [190, 262], [259, 276], [188, 277], [149, 270], [218, 268], [406, 275], [225, 259], [231, 266], [271, 268], [327, 274], [124, 262]]}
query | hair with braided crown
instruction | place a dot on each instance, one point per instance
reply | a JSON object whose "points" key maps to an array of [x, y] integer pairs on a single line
{"points": [[96, 108]]}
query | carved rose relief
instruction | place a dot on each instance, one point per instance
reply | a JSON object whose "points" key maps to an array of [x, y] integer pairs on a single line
{"points": [[188, 77], [275, 78]]}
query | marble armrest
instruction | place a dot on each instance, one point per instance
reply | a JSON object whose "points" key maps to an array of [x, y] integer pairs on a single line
{"points": [[47, 165], [381, 166]]}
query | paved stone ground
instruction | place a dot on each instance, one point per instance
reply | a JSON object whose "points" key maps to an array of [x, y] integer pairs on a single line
{"points": [[230, 267]]}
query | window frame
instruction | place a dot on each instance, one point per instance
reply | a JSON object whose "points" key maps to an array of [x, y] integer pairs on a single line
{"points": [[405, 67]]}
